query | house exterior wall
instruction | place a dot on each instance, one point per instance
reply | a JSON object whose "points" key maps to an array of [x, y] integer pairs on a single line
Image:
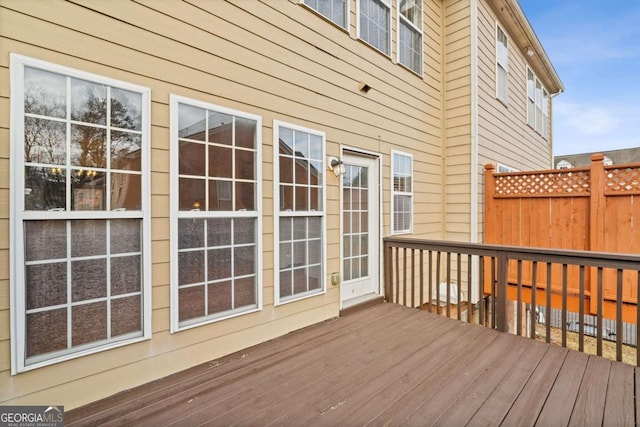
{"points": [[457, 113], [504, 137], [277, 60]]}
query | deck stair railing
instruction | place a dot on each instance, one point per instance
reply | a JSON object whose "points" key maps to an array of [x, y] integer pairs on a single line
{"points": [[474, 282]]}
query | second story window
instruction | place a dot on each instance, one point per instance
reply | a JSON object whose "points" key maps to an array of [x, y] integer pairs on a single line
{"points": [[410, 34], [375, 24], [502, 66], [537, 105], [334, 10]]}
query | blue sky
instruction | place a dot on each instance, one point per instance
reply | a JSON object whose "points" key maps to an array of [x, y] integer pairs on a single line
{"points": [[595, 48]]}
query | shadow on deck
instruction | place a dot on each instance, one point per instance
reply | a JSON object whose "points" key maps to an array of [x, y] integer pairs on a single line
{"points": [[386, 365]]}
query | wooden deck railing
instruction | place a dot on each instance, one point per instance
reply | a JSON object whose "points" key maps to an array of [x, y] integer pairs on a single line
{"points": [[472, 280]]}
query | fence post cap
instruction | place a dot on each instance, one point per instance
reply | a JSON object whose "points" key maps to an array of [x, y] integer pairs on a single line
{"points": [[597, 157], [489, 167]]}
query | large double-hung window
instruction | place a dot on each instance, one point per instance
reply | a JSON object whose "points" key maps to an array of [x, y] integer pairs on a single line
{"points": [[299, 199], [375, 23], [410, 34], [80, 213], [215, 205]]}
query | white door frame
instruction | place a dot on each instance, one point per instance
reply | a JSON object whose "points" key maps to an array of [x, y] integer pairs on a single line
{"points": [[376, 224]]}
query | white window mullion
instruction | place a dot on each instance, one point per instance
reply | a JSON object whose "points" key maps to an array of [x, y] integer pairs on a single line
{"points": [[68, 147], [69, 288], [108, 189], [108, 267]]}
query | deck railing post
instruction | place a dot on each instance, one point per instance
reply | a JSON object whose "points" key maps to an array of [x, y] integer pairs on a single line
{"points": [[596, 220], [489, 204], [388, 288], [501, 297]]}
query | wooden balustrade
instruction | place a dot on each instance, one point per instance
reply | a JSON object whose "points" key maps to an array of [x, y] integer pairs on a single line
{"points": [[477, 280]]}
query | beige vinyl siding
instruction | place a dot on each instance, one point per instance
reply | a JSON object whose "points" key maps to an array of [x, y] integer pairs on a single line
{"points": [[274, 59], [457, 113], [5, 335], [503, 134]]}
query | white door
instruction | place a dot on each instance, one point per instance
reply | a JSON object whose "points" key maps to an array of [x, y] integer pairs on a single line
{"points": [[360, 229]]}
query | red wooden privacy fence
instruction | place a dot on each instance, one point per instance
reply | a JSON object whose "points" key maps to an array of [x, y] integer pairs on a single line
{"points": [[595, 208]]}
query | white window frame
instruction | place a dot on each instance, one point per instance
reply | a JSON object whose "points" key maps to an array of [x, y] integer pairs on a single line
{"points": [[328, 18], [176, 214], [386, 3], [394, 193], [502, 168], [500, 65], [404, 21], [545, 113], [540, 106], [277, 214], [18, 216]]}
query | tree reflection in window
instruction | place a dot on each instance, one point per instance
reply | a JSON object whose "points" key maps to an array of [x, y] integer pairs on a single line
{"points": [[97, 127]]}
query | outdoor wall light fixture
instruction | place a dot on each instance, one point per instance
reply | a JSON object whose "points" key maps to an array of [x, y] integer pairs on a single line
{"points": [[529, 51], [337, 166]]}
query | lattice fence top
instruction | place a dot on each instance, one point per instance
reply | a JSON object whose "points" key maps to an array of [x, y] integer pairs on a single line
{"points": [[622, 179], [551, 183]]}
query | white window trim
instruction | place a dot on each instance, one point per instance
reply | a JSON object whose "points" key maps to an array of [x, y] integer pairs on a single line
{"points": [[174, 100], [402, 19], [276, 214], [18, 215], [506, 169], [497, 66], [401, 193], [358, 28], [347, 11], [545, 131]]}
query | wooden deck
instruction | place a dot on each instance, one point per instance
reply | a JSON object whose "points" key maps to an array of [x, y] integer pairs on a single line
{"points": [[386, 365]]}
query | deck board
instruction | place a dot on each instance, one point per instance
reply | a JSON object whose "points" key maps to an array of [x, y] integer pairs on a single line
{"points": [[530, 401], [620, 396], [589, 406], [386, 365], [465, 405], [559, 405]]}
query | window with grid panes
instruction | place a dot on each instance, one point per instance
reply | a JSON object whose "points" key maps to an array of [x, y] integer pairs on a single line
{"points": [[402, 192], [81, 275], [355, 225], [410, 38], [375, 23], [334, 10], [216, 154], [299, 182]]}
